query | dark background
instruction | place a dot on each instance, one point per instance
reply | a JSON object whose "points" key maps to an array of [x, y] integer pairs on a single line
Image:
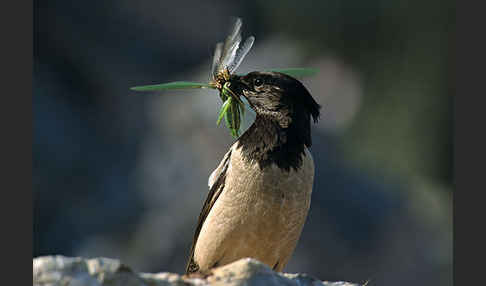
{"points": [[124, 175]]}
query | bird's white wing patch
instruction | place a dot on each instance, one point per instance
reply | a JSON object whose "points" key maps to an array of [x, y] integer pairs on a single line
{"points": [[217, 172]]}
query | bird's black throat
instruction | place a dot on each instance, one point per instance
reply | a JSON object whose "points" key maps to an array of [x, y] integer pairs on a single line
{"points": [[267, 142], [281, 131]]}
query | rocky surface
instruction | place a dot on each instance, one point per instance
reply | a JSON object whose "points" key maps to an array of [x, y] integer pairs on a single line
{"points": [[77, 271]]}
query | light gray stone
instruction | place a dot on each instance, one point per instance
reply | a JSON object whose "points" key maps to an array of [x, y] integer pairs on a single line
{"points": [[77, 271]]}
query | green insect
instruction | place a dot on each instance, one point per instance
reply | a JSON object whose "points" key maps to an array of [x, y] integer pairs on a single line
{"points": [[227, 58]]}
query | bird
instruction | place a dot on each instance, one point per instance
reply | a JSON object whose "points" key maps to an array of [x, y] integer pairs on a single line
{"points": [[260, 193]]}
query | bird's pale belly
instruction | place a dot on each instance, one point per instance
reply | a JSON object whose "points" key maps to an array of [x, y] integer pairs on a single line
{"points": [[262, 220]]}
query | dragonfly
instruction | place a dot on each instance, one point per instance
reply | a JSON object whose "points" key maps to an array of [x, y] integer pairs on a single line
{"points": [[227, 57]]}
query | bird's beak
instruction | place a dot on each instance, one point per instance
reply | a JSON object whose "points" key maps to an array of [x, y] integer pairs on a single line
{"points": [[238, 85]]}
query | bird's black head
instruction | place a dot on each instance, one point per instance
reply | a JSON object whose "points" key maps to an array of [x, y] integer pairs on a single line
{"points": [[280, 98]]}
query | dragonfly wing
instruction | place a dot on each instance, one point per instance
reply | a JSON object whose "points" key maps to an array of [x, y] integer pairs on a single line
{"points": [[216, 59], [234, 38], [171, 85], [230, 46], [241, 53], [230, 54], [235, 31]]}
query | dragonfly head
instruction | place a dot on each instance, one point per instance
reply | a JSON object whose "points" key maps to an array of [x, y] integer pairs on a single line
{"points": [[220, 79]]}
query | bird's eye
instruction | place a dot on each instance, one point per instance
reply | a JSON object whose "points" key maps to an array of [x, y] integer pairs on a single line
{"points": [[258, 82]]}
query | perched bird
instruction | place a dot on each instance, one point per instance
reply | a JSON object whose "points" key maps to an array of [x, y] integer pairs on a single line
{"points": [[260, 193]]}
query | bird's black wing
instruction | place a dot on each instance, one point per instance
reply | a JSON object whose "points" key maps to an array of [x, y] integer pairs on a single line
{"points": [[216, 185]]}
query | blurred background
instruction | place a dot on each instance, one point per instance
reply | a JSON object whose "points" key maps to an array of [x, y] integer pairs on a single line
{"points": [[124, 175]]}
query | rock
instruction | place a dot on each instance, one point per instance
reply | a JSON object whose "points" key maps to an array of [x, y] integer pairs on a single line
{"points": [[77, 271]]}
